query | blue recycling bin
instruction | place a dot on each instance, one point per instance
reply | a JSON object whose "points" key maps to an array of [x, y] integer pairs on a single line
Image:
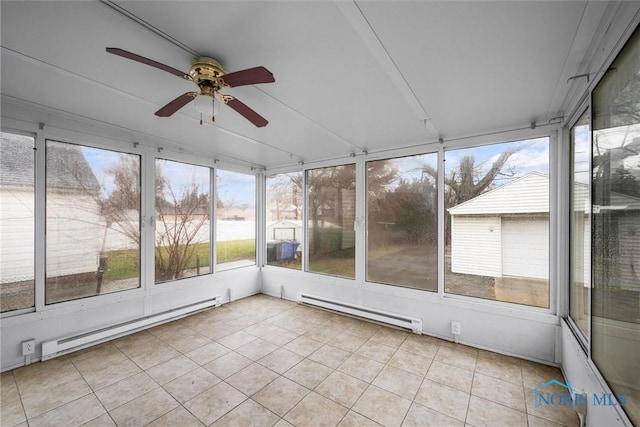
{"points": [[287, 251]]}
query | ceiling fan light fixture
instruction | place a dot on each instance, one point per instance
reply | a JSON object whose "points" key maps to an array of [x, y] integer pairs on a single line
{"points": [[207, 105]]}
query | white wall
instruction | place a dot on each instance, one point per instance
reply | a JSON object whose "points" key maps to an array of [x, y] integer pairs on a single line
{"points": [[585, 377], [503, 328], [76, 317], [476, 245]]}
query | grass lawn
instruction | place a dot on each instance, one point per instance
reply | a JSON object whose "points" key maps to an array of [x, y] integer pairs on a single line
{"points": [[124, 264]]}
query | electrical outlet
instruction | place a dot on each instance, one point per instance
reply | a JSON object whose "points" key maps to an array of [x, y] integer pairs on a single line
{"points": [[28, 347], [455, 328]]}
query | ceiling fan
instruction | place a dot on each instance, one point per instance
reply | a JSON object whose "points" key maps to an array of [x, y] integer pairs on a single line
{"points": [[210, 77]]}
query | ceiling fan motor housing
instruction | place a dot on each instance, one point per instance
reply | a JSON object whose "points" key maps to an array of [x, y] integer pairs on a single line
{"points": [[207, 74]]}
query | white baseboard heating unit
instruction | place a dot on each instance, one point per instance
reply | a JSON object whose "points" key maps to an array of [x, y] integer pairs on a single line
{"points": [[51, 349], [411, 323]]}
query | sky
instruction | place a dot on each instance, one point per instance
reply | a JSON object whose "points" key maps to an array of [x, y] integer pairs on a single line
{"points": [[233, 188]]}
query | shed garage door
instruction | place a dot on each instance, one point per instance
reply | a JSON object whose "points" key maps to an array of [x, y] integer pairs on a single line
{"points": [[525, 247]]}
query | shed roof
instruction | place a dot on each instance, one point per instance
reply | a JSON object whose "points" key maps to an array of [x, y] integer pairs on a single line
{"points": [[66, 166], [527, 194]]}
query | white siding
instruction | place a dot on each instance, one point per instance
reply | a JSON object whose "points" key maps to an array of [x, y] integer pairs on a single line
{"points": [[476, 245], [525, 247], [524, 195], [74, 234], [16, 235]]}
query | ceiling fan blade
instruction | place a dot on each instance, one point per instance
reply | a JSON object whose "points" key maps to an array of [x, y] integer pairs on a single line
{"points": [[246, 111], [147, 61], [250, 76], [176, 104]]}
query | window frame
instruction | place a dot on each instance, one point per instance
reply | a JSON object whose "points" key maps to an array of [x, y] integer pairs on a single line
{"points": [[36, 204]]}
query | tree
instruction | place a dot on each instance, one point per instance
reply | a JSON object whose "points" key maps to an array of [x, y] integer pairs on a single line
{"points": [[180, 215]]}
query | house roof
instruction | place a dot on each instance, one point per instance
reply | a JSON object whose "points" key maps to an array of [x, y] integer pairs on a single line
{"points": [[67, 168], [527, 194]]}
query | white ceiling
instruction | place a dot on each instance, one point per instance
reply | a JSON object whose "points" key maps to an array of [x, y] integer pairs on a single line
{"points": [[350, 76]]}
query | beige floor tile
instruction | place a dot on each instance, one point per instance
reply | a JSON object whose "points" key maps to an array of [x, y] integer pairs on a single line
{"points": [[458, 356], [280, 336], [486, 413], [73, 413], [374, 350], [410, 362], [144, 409], [126, 390], [398, 381], [361, 367], [177, 417], [501, 370], [316, 410], [237, 339], [135, 344], [422, 347], [534, 421], [499, 391], [260, 329], [53, 392], [303, 346], [353, 419], [227, 365], [348, 342], [342, 388], [248, 414], [450, 375], [534, 374], [100, 378], [308, 373], [256, 349], [484, 354], [188, 342], [280, 360], [207, 353], [330, 356], [564, 415], [171, 369], [389, 336], [220, 330], [104, 420], [323, 333], [283, 423], [191, 384], [252, 378], [363, 329], [215, 402], [97, 358], [281, 395], [382, 406], [443, 399], [155, 356], [11, 410], [420, 416]]}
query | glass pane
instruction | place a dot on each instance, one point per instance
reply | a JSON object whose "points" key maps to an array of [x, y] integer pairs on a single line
{"points": [[284, 220], [235, 220], [331, 216], [497, 229], [615, 322], [402, 222], [580, 225], [17, 224], [183, 204], [93, 221]]}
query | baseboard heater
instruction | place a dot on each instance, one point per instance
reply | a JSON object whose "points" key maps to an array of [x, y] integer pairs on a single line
{"points": [[411, 323], [51, 349]]}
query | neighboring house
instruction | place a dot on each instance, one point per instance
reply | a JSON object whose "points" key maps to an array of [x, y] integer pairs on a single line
{"points": [[74, 227], [504, 232]]}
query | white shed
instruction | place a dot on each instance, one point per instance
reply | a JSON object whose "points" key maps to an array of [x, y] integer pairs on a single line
{"points": [[504, 232]]}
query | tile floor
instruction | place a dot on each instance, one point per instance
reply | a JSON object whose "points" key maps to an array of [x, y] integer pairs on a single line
{"points": [[262, 361]]}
